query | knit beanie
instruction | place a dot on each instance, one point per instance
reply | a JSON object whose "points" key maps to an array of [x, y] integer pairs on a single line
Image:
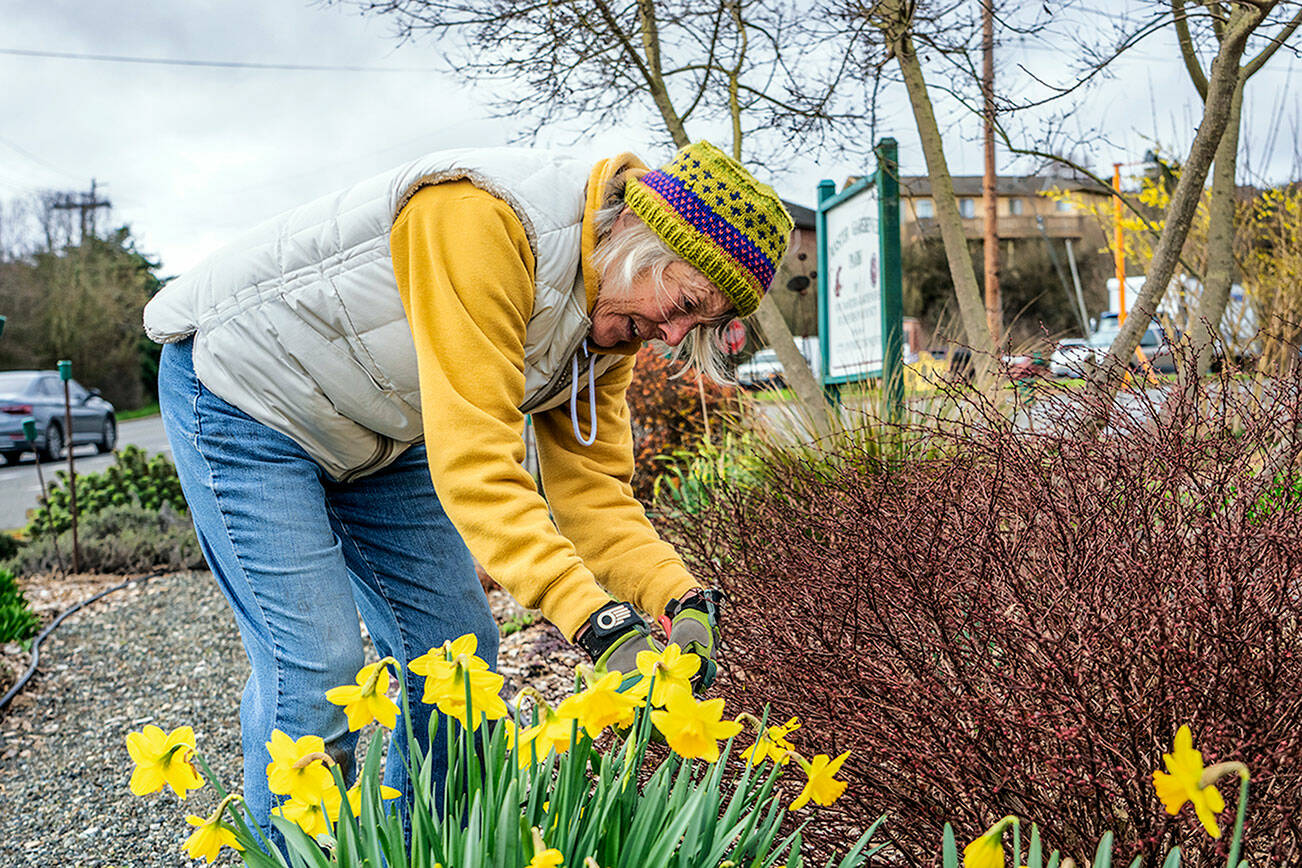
{"points": [[715, 215]]}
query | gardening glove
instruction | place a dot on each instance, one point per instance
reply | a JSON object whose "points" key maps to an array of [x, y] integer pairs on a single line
{"points": [[613, 636], [692, 622]]}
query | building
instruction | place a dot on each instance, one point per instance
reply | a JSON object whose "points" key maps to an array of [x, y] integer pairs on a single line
{"points": [[1020, 202]]}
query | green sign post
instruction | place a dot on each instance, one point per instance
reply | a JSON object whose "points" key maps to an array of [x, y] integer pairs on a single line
{"points": [[860, 305]]}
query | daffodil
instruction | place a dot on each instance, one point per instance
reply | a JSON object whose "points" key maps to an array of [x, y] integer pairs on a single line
{"points": [[773, 744], [298, 768], [438, 661], [549, 858], [544, 856], [669, 668], [693, 727], [355, 797], [163, 760], [1180, 783], [601, 705], [312, 816], [822, 787], [211, 834], [447, 671], [550, 733], [988, 850], [368, 699]]}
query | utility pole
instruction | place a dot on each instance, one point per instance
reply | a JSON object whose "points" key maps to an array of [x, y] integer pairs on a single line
{"points": [[1118, 243], [87, 204], [990, 243]]}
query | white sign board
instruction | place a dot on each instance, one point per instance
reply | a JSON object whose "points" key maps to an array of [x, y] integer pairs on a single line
{"points": [[853, 278]]}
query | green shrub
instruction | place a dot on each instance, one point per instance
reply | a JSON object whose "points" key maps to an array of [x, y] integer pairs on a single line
{"points": [[8, 546], [134, 479], [17, 622], [119, 539]]}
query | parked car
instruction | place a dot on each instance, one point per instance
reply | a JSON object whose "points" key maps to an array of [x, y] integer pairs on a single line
{"points": [[764, 369], [761, 369], [1073, 357], [39, 395]]}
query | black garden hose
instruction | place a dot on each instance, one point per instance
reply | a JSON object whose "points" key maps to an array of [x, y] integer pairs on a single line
{"points": [[36, 645]]}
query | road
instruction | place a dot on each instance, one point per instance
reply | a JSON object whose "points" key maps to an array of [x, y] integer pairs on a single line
{"points": [[20, 489]]}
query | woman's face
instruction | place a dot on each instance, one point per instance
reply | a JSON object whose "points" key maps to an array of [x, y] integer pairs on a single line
{"points": [[646, 312]]}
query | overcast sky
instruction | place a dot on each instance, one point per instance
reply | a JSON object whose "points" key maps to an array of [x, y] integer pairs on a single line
{"points": [[191, 155]]}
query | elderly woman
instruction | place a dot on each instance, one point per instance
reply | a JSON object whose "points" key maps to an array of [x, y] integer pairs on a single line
{"points": [[345, 389]]}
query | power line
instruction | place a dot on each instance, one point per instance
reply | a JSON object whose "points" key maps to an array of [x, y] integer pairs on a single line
{"points": [[220, 64], [35, 159]]}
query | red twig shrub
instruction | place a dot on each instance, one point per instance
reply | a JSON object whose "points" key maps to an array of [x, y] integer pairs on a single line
{"points": [[667, 415], [1018, 622]]}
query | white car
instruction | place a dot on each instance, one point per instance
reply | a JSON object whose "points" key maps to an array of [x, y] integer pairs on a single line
{"points": [[1073, 357], [762, 369]]}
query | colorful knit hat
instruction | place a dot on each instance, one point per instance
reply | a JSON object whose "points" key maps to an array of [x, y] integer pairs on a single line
{"points": [[715, 215]]}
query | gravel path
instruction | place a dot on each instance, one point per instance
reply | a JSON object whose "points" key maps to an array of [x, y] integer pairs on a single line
{"points": [[167, 653]]}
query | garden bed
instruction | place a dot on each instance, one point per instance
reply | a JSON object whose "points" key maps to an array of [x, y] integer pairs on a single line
{"points": [[164, 652]]}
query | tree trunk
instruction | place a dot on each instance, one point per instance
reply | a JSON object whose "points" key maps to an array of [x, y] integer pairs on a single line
{"points": [[1221, 87], [971, 304], [1219, 274], [800, 379]]}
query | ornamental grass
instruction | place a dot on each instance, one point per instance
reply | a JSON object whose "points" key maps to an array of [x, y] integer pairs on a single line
{"points": [[1012, 610], [573, 785]]}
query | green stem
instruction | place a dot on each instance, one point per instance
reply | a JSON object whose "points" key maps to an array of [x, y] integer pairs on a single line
{"points": [[1238, 820]]}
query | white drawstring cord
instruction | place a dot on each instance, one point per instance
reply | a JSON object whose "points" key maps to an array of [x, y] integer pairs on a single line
{"points": [[592, 397]]}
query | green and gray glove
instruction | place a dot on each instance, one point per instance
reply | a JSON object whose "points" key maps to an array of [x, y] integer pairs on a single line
{"points": [[613, 636], [692, 622]]}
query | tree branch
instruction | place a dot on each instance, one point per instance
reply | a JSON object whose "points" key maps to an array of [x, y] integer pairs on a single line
{"points": [[1251, 67], [1187, 53]]}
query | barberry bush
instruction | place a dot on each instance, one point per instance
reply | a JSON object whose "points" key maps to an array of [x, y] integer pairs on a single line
{"points": [[1016, 619]]}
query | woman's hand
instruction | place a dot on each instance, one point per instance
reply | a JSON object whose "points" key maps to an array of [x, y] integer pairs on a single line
{"points": [[694, 627]]}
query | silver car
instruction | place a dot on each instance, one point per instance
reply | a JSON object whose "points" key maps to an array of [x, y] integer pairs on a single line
{"points": [[38, 395]]}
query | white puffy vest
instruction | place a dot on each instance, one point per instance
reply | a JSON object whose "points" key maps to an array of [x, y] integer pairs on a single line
{"points": [[299, 323]]}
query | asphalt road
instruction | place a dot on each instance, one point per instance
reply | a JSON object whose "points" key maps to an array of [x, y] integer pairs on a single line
{"points": [[20, 489]]}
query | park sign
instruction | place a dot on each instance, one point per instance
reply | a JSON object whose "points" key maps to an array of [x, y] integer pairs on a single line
{"points": [[859, 294]]}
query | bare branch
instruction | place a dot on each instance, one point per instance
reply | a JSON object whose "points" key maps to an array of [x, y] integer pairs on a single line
{"points": [[1187, 53]]}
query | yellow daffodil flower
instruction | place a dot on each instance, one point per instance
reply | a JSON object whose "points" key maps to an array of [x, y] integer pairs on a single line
{"points": [[551, 733], [1185, 768], [822, 787], [439, 660], [549, 858], [209, 836], [355, 798], [368, 699], [693, 727], [163, 760], [544, 856], [311, 816], [669, 668], [445, 682], [601, 705], [773, 744], [298, 768], [988, 850]]}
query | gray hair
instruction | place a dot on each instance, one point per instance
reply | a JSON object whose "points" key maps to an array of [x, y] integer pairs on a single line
{"points": [[637, 250]]}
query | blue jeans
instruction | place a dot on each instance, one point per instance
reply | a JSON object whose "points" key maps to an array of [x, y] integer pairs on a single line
{"points": [[298, 555]]}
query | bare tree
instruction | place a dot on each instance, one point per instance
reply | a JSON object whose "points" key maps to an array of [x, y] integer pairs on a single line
{"points": [[896, 20], [727, 64], [1223, 83], [1219, 274]]}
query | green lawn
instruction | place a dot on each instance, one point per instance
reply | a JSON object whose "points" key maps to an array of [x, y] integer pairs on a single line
{"points": [[139, 412]]}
